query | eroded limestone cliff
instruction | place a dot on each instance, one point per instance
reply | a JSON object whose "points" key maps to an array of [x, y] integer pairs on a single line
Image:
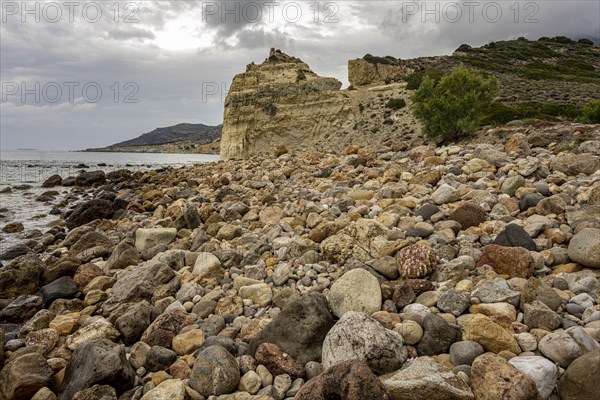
{"points": [[283, 102]]}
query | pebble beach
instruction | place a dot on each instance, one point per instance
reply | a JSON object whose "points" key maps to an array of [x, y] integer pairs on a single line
{"points": [[392, 271]]}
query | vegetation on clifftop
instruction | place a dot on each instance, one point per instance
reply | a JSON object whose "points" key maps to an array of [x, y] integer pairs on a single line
{"points": [[454, 105]]}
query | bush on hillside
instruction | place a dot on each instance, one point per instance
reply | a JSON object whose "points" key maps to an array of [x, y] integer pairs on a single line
{"points": [[413, 81], [456, 104], [590, 113], [396, 104]]}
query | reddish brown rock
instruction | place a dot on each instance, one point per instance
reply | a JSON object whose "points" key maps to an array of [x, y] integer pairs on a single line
{"points": [[85, 273], [164, 328], [493, 378], [349, 380], [468, 215], [180, 370], [278, 362], [511, 261]]}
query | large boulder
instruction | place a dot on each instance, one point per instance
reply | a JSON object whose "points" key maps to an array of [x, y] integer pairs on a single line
{"points": [[584, 248], [515, 236], [137, 283], [356, 290], [363, 240], [89, 211], [492, 377], [299, 329], [122, 257], [356, 336], [215, 372], [147, 238], [564, 347], [541, 370], [21, 276], [580, 380], [515, 262], [349, 380], [575, 164], [89, 178], [97, 362], [54, 180], [23, 376], [425, 378], [492, 336], [438, 336]]}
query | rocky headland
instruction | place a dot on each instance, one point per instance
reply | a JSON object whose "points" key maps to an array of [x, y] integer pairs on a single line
{"points": [[389, 270], [181, 138], [282, 102]]}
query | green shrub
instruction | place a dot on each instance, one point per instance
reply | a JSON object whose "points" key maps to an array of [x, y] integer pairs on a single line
{"points": [[590, 113], [562, 40], [464, 48], [585, 41], [396, 104], [456, 104], [501, 113], [414, 80]]}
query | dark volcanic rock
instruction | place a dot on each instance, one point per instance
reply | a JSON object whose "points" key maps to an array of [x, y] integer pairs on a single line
{"points": [[21, 309], [14, 252], [427, 211], [529, 200], [97, 362], [62, 288], [90, 211], [160, 358], [90, 178], [438, 336], [134, 322], [515, 236], [299, 329], [54, 180]]}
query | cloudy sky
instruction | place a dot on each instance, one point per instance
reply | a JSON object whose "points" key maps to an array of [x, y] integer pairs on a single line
{"points": [[84, 74]]}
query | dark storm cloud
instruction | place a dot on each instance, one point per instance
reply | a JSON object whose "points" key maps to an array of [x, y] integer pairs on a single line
{"points": [[173, 86]]}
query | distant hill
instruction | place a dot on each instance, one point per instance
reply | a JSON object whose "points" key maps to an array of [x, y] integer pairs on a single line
{"points": [[195, 133], [180, 138]]}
